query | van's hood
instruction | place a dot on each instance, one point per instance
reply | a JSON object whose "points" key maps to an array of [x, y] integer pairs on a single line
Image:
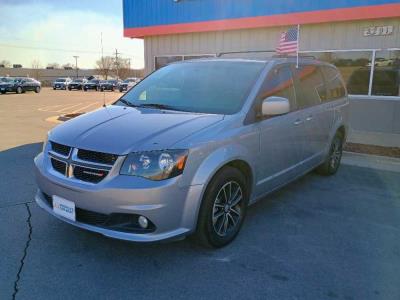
{"points": [[120, 130]]}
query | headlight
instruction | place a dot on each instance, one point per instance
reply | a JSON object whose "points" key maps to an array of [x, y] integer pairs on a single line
{"points": [[155, 165]]}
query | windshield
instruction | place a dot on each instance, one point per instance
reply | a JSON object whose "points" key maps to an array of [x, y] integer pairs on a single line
{"points": [[60, 80], [128, 80], [217, 87], [93, 81]]}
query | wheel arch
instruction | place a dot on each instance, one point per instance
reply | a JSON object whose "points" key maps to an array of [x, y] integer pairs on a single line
{"points": [[233, 156]]}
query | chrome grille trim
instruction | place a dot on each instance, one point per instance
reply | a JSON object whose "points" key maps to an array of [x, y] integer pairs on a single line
{"points": [[73, 161]]}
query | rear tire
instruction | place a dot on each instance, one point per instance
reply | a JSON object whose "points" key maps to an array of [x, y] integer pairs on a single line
{"points": [[223, 209], [19, 90], [332, 162]]}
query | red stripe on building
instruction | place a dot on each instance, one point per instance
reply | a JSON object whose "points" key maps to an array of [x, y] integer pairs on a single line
{"points": [[313, 17]]}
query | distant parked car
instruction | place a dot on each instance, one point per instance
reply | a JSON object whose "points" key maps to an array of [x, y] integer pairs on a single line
{"points": [[110, 85], [76, 84], [128, 83], [3, 79], [93, 84], [61, 83], [20, 85]]}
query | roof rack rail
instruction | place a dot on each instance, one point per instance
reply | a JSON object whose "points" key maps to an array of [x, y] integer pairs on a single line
{"points": [[250, 51]]}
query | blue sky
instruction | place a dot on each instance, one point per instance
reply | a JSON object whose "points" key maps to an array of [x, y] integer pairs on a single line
{"points": [[54, 31]]}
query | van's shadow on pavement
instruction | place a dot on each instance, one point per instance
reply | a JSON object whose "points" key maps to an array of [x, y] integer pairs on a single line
{"points": [[310, 239]]}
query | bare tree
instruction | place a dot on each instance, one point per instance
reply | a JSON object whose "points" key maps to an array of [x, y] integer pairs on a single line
{"points": [[36, 66], [124, 68], [105, 66], [5, 63]]}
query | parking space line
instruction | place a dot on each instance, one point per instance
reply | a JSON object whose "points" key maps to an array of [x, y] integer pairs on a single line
{"points": [[82, 108], [69, 107], [49, 108]]}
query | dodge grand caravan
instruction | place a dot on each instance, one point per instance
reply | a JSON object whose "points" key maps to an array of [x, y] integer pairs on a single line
{"points": [[190, 147]]}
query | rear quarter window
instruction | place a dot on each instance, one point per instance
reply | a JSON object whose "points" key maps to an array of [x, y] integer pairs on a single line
{"points": [[334, 84], [311, 87]]}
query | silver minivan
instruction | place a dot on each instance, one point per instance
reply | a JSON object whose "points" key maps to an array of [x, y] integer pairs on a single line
{"points": [[191, 146]]}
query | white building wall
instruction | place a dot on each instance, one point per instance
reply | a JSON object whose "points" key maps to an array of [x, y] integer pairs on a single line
{"points": [[326, 36]]}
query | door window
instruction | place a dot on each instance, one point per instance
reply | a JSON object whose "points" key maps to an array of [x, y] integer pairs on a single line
{"points": [[279, 83]]}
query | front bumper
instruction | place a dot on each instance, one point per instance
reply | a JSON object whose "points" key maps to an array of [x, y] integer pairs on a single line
{"points": [[90, 87], [170, 207], [8, 88]]}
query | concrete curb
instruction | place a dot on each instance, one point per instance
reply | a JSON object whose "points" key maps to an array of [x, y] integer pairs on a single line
{"points": [[371, 161]]}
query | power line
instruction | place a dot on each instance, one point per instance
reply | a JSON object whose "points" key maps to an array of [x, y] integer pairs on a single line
{"points": [[61, 50]]}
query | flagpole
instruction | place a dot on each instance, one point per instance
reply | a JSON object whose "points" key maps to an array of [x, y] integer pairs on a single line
{"points": [[298, 45]]}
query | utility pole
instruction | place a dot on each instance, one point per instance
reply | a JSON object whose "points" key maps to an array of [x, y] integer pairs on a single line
{"points": [[76, 65], [116, 61]]}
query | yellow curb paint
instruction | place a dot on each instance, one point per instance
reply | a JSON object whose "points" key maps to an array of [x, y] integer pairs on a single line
{"points": [[54, 119]]}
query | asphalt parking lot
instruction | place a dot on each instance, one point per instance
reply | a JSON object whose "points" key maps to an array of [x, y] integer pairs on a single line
{"points": [[318, 238]]}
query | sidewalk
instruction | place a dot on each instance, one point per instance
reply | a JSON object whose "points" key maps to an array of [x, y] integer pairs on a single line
{"points": [[374, 138], [371, 161]]}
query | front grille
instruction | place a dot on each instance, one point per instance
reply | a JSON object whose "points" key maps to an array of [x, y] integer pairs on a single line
{"points": [[89, 174], [60, 149], [90, 217], [59, 166], [97, 157]]}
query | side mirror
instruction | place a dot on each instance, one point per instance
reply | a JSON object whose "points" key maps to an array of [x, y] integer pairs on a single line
{"points": [[274, 106]]}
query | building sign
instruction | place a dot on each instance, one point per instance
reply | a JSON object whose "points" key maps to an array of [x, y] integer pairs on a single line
{"points": [[378, 31]]}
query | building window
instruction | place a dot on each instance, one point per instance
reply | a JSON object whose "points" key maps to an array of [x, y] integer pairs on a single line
{"points": [[386, 78], [188, 57], [355, 67], [162, 61]]}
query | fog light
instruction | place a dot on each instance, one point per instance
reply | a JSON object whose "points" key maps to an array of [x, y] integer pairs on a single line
{"points": [[143, 222]]}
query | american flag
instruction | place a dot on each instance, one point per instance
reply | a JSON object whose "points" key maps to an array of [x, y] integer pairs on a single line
{"points": [[288, 42]]}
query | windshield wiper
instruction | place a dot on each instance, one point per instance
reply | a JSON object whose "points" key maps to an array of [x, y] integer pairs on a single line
{"points": [[127, 103], [160, 106]]}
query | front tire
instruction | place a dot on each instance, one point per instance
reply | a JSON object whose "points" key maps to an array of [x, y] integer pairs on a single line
{"points": [[332, 162], [37, 90], [19, 90], [223, 208]]}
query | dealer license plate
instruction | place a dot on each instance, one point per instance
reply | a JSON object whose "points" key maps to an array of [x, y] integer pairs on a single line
{"points": [[64, 208]]}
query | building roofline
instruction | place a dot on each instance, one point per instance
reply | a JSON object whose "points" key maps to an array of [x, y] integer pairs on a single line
{"points": [[310, 17]]}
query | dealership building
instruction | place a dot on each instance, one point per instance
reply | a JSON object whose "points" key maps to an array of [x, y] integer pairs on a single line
{"points": [[361, 37]]}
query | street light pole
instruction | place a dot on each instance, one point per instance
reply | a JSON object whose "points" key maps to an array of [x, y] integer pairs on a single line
{"points": [[76, 65]]}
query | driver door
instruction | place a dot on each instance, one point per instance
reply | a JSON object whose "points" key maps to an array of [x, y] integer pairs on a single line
{"points": [[281, 142]]}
